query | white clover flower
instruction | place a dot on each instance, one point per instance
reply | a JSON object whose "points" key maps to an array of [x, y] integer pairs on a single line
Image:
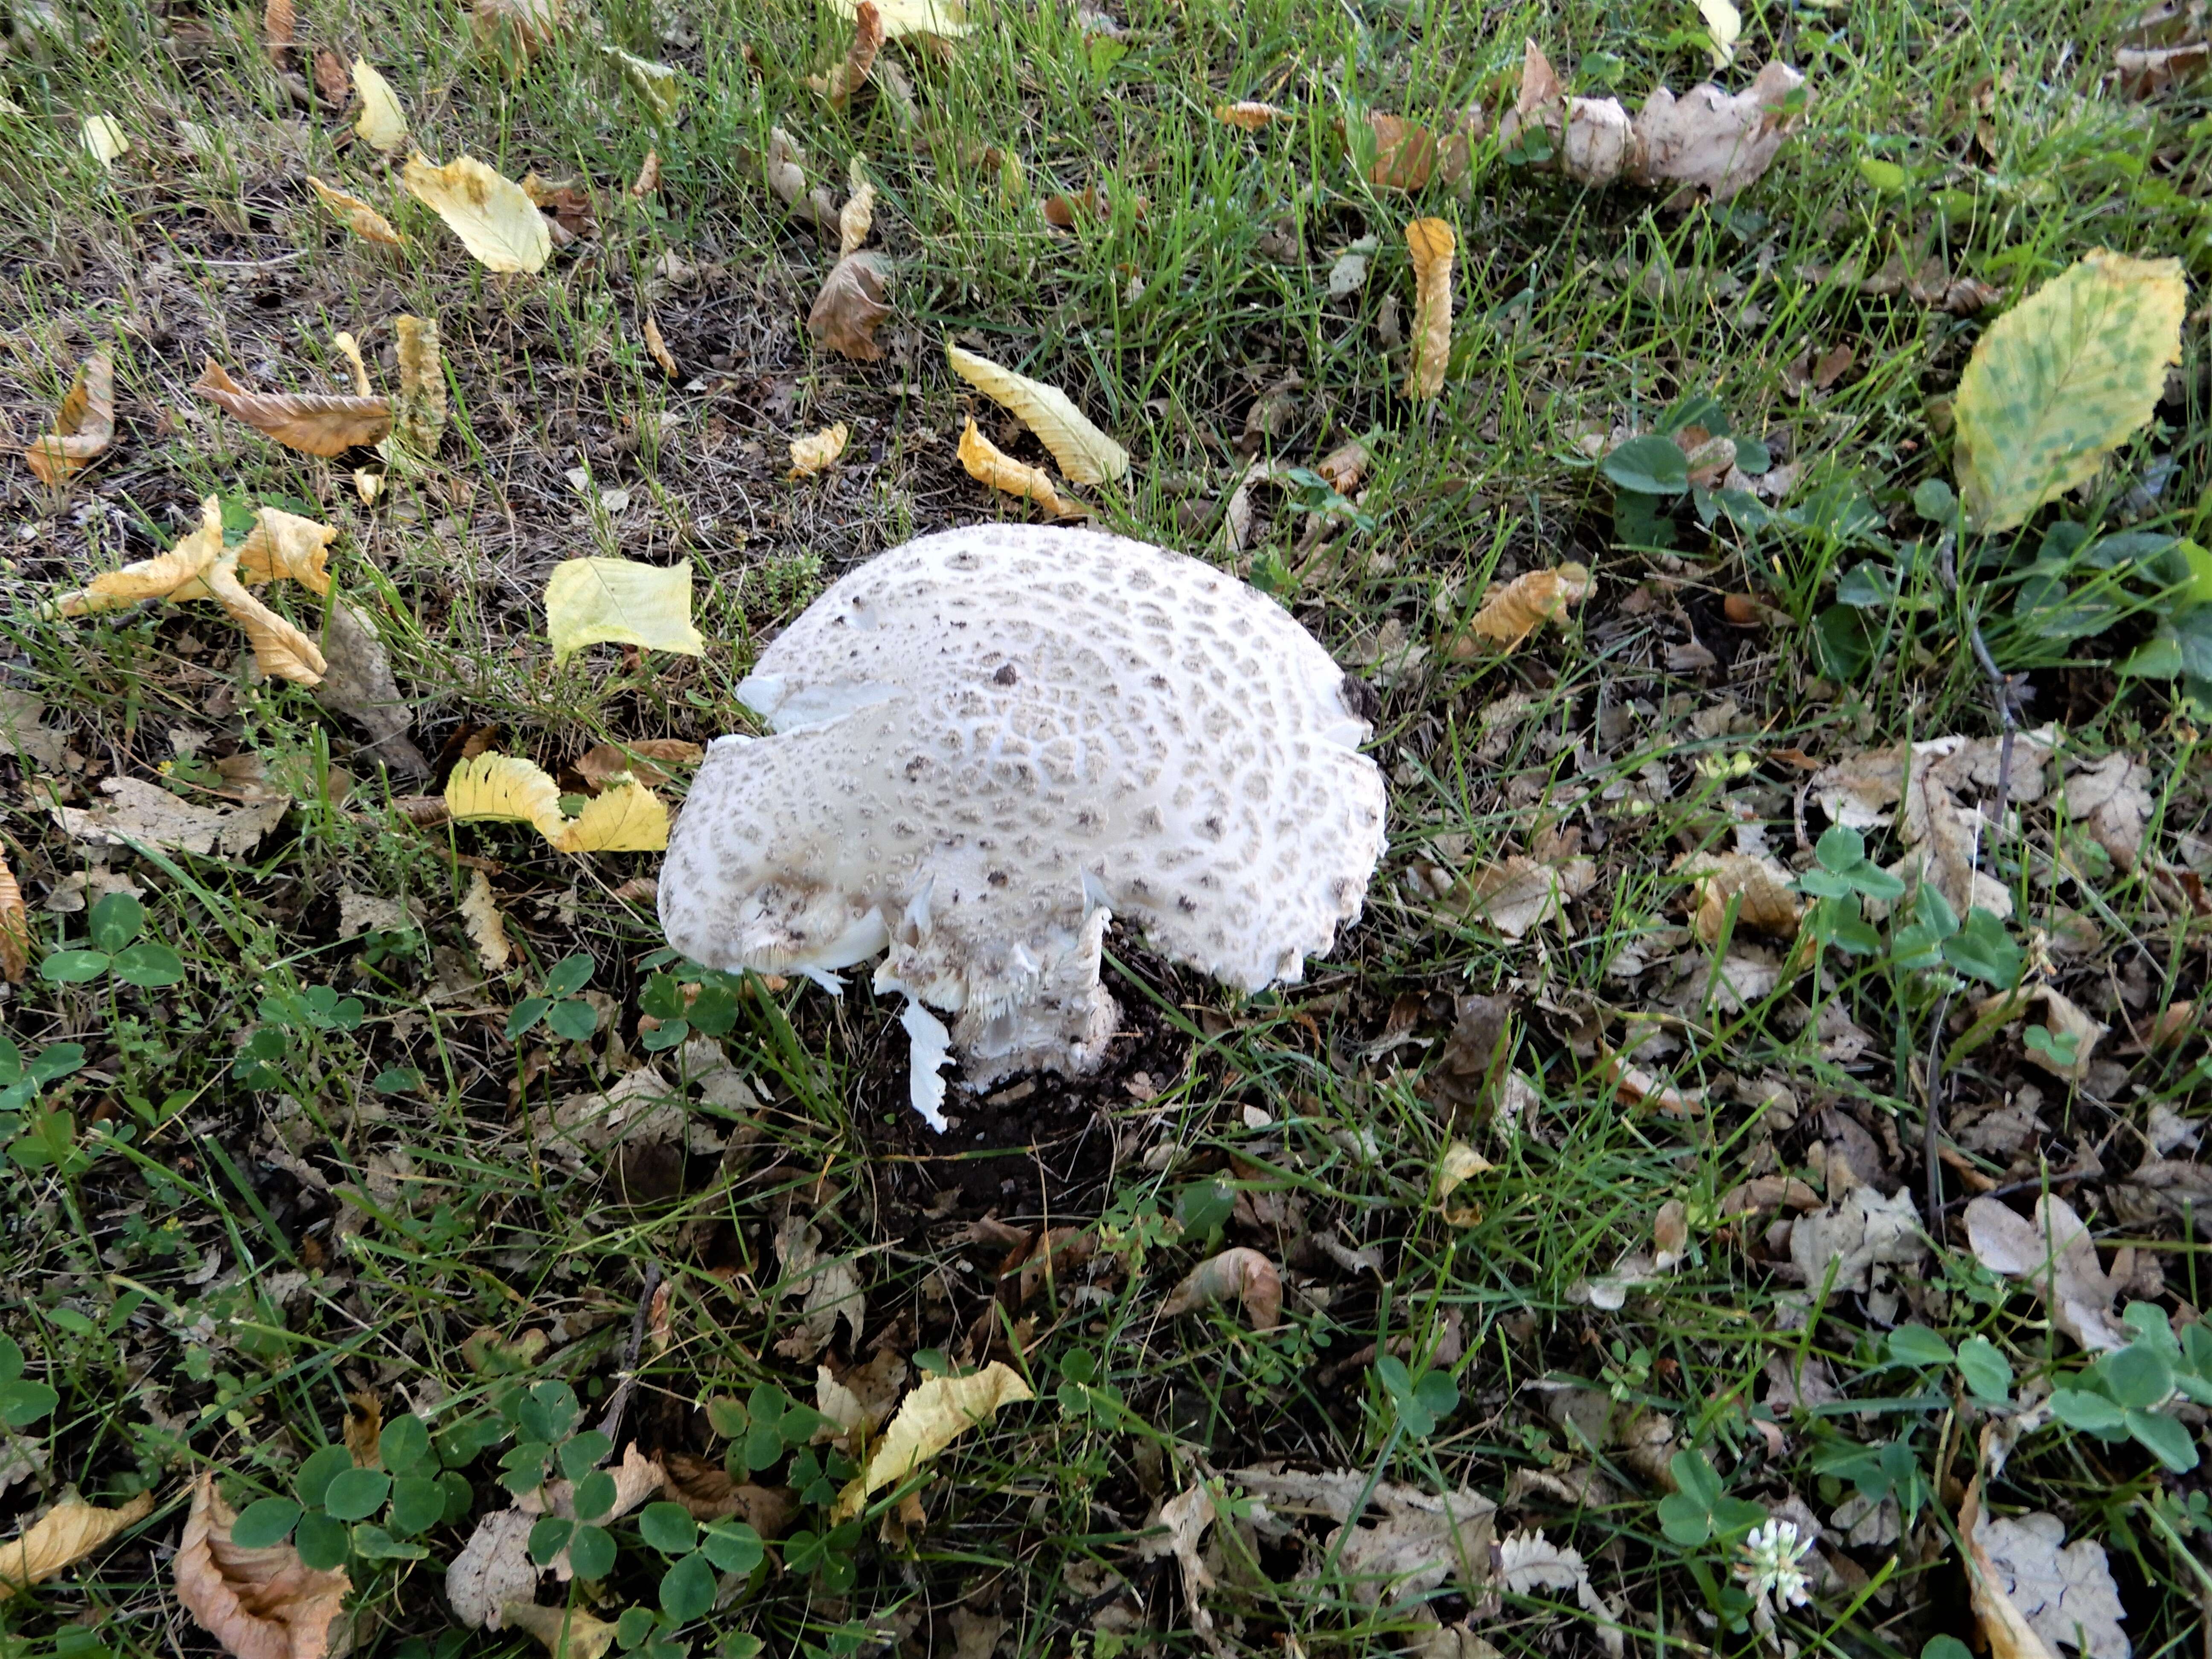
{"points": [[1770, 1565]]}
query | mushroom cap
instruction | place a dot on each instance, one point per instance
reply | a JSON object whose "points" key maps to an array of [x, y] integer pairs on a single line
{"points": [[987, 737]]}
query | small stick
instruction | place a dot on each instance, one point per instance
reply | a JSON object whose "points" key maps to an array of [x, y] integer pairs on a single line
{"points": [[626, 1378]]}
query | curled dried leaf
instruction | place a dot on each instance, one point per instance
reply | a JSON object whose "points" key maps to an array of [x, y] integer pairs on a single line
{"points": [[83, 426], [1249, 113], [649, 760], [506, 786], [648, 175], [1240, 1276], [851, 307], [931, 1418], [279, 648], [284, 545], [842, 82], [1432, 245], [656, 347], [1405, 153], [1085, 453], [1759, 886], [65, 1534], [259, 1603], [418, 413], [15, 932], [480, 914], [817, 449], [988, 464], [1510, 614], [313, 421], [858, 216], [364, 221]]}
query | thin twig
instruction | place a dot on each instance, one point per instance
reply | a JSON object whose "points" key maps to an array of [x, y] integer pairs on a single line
{"points": [[626, 1378]]}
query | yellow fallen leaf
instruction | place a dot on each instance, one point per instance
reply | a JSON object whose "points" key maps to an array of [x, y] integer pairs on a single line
{"points": [[14, 927], [487, 927], [279, 648], [1085, 453], [1432, 245], [567, 1632], [315, 422], [349, 348], [494, 218], [619, 600], [63, 1536], [858, 216], [988, 464], [946, 19], [506, 787], [817, 449], [285, 544], [1249, 114], [1461, 1161], [1724, 23], [418, 413], [364, 221], [382, 122], [531, 25], [842, 82], [104, 137], [935, 1414], [83, 426], [629, 817], [1511, 613]]}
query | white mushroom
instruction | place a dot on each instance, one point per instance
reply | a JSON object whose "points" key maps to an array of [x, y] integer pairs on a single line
{"points": [[989, 741]]}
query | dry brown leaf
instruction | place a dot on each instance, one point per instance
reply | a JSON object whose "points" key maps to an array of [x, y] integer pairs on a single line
{"points": [[333, 84], [988, 464], [83, 426], [15, 927], [140, 812], [2145, 71], [1250, 114], [656, 346], [1405, 153], [418, 413], [1432, 245], [2003, 1627], [646, 759], [358, 682], [487, 927], [817, 449], [1240, 1276], [279, 648], [1641, 1088], [2054, 1253], [63, 1536], [278, 24], [1346, 465], [1510, 614], [850, 308], [785, 170], [1522, 892], [363, 1430], [258, 1604], [2114, 799], [842, 82], [567, 1632], [1766, 904], [1713, 141], [314, 422], [648, 175], [364, 221]]}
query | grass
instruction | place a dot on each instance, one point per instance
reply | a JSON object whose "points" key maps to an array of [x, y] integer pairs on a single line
{"points": [[249, 1204]]}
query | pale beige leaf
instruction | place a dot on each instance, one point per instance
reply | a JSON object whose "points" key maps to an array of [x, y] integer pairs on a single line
{"points": [[1432, 245], [1085, 453], [70, 1531], [382, 122], [2052, 1251], [1598, 142], [1511, 613], [358, 682], [851, 307], [817, 449], [418, 413], [1239, 1277], [1249, 113], [138, 811], [505, 786], [648, 175], [567, 1632], [284, 545], [593, 599], [936, 1414], [629, 817], [1522, 892], [480, 914], [2004, 1628], [946, 19], [104, 138], [176, 575], [314, 422], [279, 648], [988, 464], [493, 215], [842, 82], [1461, 1161], [2114, 799], [858, 216], [1761, 887], [15, 943], [349, 348], [1714, 140], [83, 426], [531, 25], [656, 347], [2065, 1595], [364, 221], [494, 1567], [649, 760], [259, 1603]]}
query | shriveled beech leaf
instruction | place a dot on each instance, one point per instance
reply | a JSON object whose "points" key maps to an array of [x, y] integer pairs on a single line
{"points": [[333, 84], [531, 25], [1187, 1516], [1765, 904], [259, 1603], [1249, 113], [63, 1536], [2145, 71], [283, 544], [946, 18], [317, 422], [1640, 1087], [480, 915], [841, 82], [656, 347], [1433, 246], [1405, 153], [988, 464], [2114, 799], [104, 139], [817, 449], [83, 426], [382, 122], [418, 413], [938, 1411], [146, 814], [1239, 1277], [593, 599], [2063, 379], [15, 927], [1511, 613], [1522, 892], [784, 170], [646, 759], [851, 307], [573, 213], [1713, 141], [358, 682], [1085, 454], [567, 1632], [492, 214], [648, 175], [364, 221], [858, 216]]}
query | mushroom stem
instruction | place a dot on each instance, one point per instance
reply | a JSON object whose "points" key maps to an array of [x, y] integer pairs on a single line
{"points": [[931, 1046]]}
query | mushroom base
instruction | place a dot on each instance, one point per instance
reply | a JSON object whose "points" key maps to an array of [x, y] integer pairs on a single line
{"points": [[1070, 1037]]}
